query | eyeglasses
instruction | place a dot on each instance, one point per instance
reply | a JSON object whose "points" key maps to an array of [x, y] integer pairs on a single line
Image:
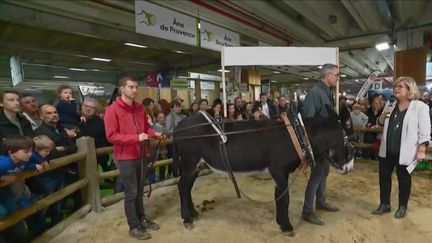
{"points": [[399, 86], [88, 106]]}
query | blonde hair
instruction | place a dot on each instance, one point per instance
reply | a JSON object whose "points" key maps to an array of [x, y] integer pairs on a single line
{"points": [[413, 92], [43, 142]]}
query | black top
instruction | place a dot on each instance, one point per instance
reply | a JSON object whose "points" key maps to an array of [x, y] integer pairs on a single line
{"points": [[94, 127], [394, 131], [60, 138]]}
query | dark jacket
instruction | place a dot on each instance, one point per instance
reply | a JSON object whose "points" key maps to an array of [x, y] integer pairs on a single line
{"points": [[316, 100], [94, 127], [60, 138], [68, 113], [7, 128]]}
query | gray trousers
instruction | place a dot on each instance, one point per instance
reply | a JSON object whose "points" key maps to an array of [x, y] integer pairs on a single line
{"points": [[133, 184], [316, 186]]}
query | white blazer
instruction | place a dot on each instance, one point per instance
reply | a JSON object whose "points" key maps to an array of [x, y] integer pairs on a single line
{"points": [[416, 130]]}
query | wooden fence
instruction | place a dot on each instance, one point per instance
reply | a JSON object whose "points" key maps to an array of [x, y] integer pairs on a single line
{"points": [[88, 183]]}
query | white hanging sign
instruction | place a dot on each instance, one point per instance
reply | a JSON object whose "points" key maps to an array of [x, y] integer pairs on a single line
{"points": [[153, 20], [214, 37]]}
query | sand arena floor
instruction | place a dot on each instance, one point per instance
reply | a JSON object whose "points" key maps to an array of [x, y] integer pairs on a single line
{"points": [[228, 219]]}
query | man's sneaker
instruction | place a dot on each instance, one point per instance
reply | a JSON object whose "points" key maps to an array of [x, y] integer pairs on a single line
{"points": [[139, 233], [327, 207], [312, 218], [148, 224]]}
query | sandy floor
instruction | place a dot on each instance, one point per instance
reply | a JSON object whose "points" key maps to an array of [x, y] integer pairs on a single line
{"points": [[229, 219]]}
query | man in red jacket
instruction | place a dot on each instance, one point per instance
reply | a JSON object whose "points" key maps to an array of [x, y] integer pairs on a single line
{"points": [[127, 128]]}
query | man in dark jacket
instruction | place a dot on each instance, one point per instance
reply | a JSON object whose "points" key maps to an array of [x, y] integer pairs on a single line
{"points": [[316, 101], [93, 126], [267, 107], [51, 181], [13, 123]]}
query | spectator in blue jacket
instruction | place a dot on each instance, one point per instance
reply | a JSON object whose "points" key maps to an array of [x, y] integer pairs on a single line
{"points": [[18, 150]]}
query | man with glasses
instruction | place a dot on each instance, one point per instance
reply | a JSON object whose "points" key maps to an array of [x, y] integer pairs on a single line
{"points": [[93, 126], [316, 101]]}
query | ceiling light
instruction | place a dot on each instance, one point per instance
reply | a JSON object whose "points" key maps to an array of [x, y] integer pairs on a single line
{"points": [[134, 45], [59, 76], [95, 70], [343, 75], [180, 52], [220, 70], [101, 59], [305, 78], [199, 25], [276, 72], [319, 67], [382, 46], [273, 81], [78, 69], [356, 80]]}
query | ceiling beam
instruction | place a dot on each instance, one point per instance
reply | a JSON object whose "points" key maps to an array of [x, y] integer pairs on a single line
{"points": [[355, 14], [316, 12], [43, 20], [283, 21]]}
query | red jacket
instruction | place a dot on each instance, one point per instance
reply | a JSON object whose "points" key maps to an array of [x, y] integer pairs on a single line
{"points": [[123, 124]]}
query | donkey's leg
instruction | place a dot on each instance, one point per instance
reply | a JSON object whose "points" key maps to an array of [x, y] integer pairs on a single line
{"points": [[194, 213], [185, 186], [280, 176]]}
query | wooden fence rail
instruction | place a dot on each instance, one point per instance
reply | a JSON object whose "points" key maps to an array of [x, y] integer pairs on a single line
{"points": [[88, 183]]}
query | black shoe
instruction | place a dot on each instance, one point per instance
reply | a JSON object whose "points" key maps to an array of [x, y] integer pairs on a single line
{"points": [[148, 224], [383, 208], [326, 207], [312, 218], [139, 233], [400, 213]]}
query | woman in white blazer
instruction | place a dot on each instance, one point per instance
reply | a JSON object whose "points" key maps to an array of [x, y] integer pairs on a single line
{"points": [[406, 134]]}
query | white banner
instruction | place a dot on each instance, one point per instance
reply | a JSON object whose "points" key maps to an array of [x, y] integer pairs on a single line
{"points": [[295, 56], [367, 84], [153, 20], [203, 76], [214, 37], [377, 85]]}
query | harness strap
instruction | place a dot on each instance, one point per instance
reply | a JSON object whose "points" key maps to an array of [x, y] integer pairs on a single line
{"points": [[226, 162], [217, 129], [294, 138]]}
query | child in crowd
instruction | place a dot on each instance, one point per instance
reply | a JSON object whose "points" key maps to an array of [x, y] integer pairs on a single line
{"points": [[18, 151], [159, 126], [359, 120], [43, 146], [67, 109]]}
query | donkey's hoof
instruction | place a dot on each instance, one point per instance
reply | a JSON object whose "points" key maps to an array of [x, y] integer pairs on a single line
{"points": [[189, 225], [289, 233], [288, 230]]}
